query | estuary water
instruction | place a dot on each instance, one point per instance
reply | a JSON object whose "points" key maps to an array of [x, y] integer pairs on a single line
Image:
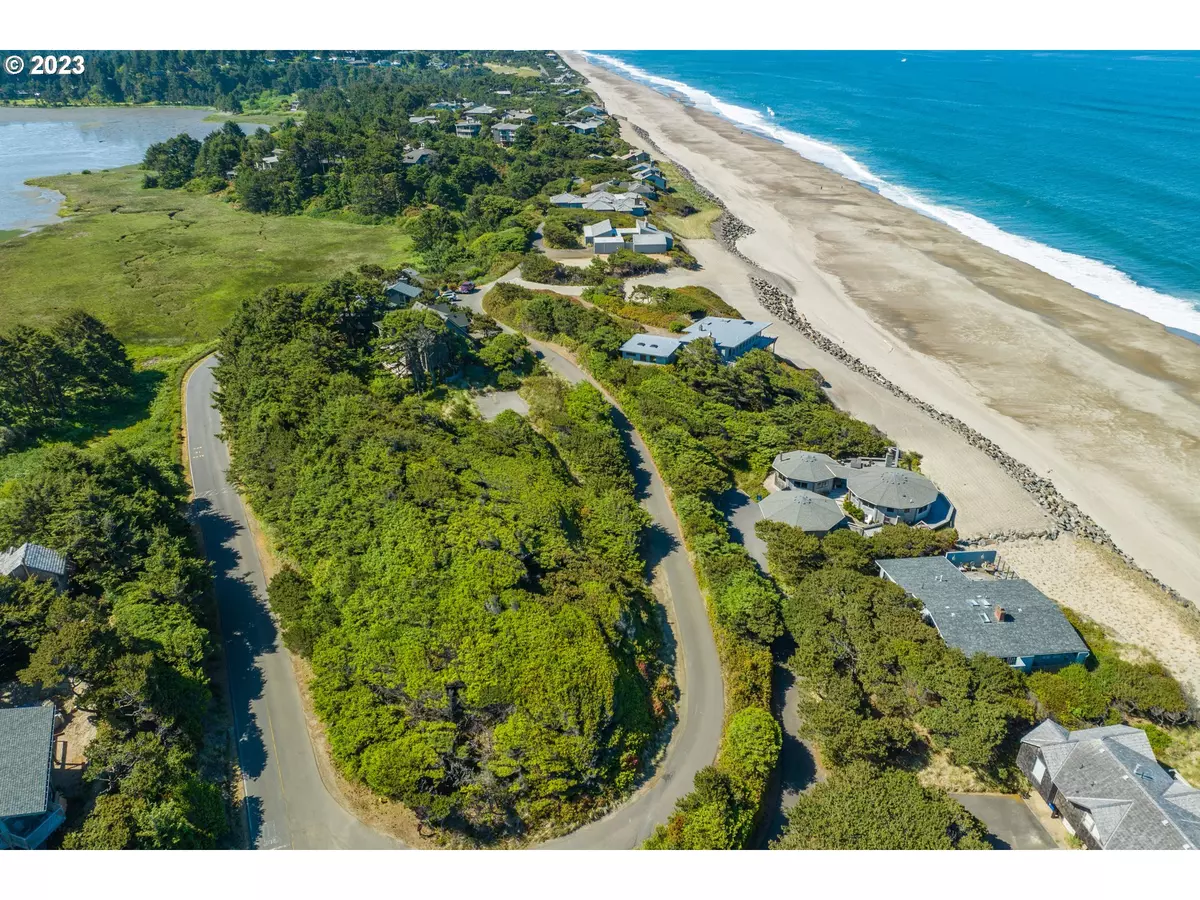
{"points": [[39, 142]]}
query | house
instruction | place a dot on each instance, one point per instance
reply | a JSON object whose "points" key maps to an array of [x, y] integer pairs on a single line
{"points": [[422, 120], [732, 337], [602, 201], [635, 156], [421, 156], [467, 128], [590, 111], [502, 93], [521, 116], [812, 513], [445, 104], [567, 201], [481, 110], [1003, 617], [640, 188], [588, 127], [1109, 789], [402, 293], [267, 162], [569, 91], [651, 176], [453, 316], [650, 240], [33, 561], [28, 813], [601, 229], [806, 471], [608, 244], [505, 133], [651, 348], [890, 495]]}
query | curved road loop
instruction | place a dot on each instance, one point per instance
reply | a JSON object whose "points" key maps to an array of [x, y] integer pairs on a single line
{"points": [[288, 805]]}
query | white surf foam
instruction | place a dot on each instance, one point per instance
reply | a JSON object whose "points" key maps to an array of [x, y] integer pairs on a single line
{"points": [[1093, 276]]}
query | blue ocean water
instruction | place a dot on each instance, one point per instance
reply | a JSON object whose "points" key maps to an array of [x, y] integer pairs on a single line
{"points": [[1085, 165]]}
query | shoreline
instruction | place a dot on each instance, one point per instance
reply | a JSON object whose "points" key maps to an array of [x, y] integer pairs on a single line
{"points": [[1123, 420], [1102, 280]]}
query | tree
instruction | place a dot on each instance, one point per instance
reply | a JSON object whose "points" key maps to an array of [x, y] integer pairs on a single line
{"points": [[418, 343], [174, 160], [432, 228], [791, 552], [221, 151], [861, 807]]}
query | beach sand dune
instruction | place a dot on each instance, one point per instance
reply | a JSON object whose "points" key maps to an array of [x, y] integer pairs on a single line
{"points": [[1102, 401]]}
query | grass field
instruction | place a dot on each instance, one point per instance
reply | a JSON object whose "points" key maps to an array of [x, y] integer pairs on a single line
{"points": [[9, 233], [264, 119], [696, 226], [169, 267], [519, 71]]}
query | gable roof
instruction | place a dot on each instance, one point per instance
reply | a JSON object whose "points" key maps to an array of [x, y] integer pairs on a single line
{"points": [[963, 610], [802, 509], [35, 557], [1135, 804], [566, 198], [601, 228], [26, 742], [404, 289], [451, 315]]}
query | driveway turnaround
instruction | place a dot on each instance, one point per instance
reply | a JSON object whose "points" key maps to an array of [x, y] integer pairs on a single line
{"points": [[287, 804], [1011, 824]]}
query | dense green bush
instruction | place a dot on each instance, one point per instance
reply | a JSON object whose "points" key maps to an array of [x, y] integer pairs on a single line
{"points": [[861, 807], [471, 593]]}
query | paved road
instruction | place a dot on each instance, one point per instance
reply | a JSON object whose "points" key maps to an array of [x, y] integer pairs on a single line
{"points": [[287, 804], [697, 734]]}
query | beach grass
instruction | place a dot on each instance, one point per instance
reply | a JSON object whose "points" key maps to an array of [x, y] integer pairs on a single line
{"points": [[166, 267], [519, 71], [697, 226], [683, 187], [7, 234]]}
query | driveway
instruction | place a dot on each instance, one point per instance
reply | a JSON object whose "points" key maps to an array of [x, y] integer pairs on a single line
{"points": [[287, 805], [1011, 824]]}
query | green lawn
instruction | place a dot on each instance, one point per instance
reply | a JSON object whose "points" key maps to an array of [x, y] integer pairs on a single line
{"points": [[169, 267], [8, 233], [519, 71]]}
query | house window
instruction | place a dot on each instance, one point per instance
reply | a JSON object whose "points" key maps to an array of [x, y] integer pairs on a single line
{"points": [[1039, 769]]}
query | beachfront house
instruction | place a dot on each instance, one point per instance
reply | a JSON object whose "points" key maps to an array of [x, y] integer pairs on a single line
{"points": [[588, 127], [643, 237], [989, 612], [28, 811], [33, 561], [813, 513], [1109, 789], [467, 128], [635, 156], [806, 471], [505, 133], [587, 111], [421, 156], [732, 337], [651, 176], [601, 229]]}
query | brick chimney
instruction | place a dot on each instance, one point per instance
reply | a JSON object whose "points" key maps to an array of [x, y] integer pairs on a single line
{"points": [[998, 612]]}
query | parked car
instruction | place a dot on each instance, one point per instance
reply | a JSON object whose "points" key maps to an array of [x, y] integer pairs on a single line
{"points": [[448, 295], [466, 287]]}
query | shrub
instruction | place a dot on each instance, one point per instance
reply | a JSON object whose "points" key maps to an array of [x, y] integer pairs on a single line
{"points": [[559, 236]]}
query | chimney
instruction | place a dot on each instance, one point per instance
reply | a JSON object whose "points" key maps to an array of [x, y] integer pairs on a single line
{"points": [[892, 458], [999, 613]]}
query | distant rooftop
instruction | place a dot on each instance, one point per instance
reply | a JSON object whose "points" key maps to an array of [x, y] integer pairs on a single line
{"points": [[964, 610]]}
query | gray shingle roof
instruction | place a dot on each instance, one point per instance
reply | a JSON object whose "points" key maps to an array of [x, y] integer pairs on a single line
{"points": [[891, 488], [963, 609], [404, 289], [33, 556], [802, 465], [803, 509], [26, 741], [1135, 803]]}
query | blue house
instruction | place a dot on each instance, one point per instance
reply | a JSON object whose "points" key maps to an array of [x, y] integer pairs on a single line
{"points": [[989, 613], [733, 337], [651, 348], [28, 813]]}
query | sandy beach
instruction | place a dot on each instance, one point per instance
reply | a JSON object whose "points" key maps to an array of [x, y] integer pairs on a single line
{"points": [[1101, 401]]}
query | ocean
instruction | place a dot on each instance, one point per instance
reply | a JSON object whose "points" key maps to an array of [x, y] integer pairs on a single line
{"points": [[1084, 165]]}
